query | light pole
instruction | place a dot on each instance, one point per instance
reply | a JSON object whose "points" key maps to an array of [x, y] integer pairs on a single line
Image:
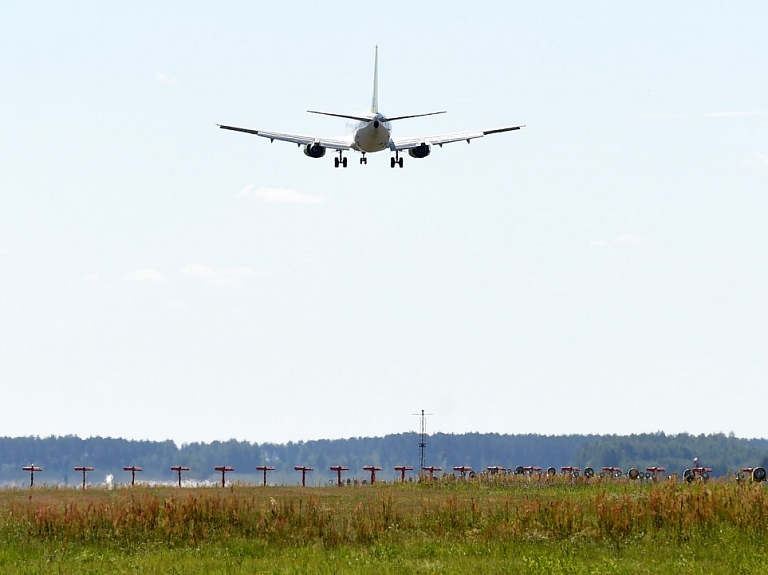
{"points": [[265, 468], [373, 469], [31, 469], [133, 469], [303, 469], [338, 469], [178, 469], [402, 469], [84, 470], [223, 469]]}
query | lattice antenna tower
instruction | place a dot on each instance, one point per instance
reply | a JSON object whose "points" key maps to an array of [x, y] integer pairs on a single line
{"points": [[422, 438]]}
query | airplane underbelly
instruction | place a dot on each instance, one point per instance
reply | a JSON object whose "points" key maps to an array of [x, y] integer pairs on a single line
{"points": [[371, 139]]}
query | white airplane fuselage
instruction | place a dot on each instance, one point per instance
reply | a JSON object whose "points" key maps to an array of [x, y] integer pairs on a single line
{"points": [[372, 136]]}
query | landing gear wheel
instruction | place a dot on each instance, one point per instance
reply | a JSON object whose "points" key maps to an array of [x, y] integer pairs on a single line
{"points": [[344, 162], [391, 162], [336, 162], [400, 162], [363, 160]]}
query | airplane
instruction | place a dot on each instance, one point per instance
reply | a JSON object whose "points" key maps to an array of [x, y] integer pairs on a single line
{"points": [[373, 133]]}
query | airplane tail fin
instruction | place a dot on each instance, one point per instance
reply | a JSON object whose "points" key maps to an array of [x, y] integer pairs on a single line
{"points": [[375, 100]]}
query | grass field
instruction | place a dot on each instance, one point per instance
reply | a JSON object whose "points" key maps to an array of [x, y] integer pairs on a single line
{"points": [[503, 525]]}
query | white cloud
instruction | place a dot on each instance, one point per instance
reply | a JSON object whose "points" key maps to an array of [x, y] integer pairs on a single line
{"points": [[165, 79], [629, 239], [145, 275], [734, 114], [222, 278], [279, 196], [91, 277]]}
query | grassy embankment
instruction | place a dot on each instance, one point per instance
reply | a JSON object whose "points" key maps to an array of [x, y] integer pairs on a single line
{"points": [[500, 525]]}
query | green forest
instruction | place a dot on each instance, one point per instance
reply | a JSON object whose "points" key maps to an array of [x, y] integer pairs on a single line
{"points": [[59, 455]]}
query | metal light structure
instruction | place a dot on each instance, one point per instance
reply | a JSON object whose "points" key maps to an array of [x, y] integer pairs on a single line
{"points": [[373, 469], [494, 469], [571, 470], [656, 472], [133, 469], [178, 469], [338, 469], [223, 469], [528, 470], [463, 469], [31, 469], [610, 471], [303, 469], [402, 469], [265, 468], [431, 469], [697, 473], [85, 470]]}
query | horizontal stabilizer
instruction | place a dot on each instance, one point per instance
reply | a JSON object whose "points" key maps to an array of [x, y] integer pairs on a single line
{"points": [[413, 116], [358, 118]]}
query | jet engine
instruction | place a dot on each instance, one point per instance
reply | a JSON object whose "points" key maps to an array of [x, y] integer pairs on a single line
{"points": [[421, 151], [314, 150]]}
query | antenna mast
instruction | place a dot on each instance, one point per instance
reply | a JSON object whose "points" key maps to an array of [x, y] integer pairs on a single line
{"points": [[422, 439]]}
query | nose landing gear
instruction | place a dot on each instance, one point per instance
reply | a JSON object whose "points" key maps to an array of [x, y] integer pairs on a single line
{"points": [[363, 160]]}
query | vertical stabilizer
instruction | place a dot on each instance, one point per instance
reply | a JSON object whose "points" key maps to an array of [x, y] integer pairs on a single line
{"points": [[375, 100]]}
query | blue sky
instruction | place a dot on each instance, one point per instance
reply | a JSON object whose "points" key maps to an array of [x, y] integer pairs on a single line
{"points": [[602, 270]]}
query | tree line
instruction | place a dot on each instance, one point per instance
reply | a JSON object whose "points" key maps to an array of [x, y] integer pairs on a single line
{"points": [[58, 455]]}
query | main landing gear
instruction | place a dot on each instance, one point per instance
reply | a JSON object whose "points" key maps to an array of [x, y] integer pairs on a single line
{"points": [[340, 161], [397, 160]]}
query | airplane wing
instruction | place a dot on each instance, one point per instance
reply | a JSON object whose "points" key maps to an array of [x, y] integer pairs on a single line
{"points": [[332, 143], [400, 144]]}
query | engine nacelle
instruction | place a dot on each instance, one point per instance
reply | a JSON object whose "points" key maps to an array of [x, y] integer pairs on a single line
{"points": [[314, 150], [421, 151]]}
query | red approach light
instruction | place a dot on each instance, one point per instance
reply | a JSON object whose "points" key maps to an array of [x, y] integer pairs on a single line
{"points": [[178, 469], [223, 469], [611, 471], [571, 470], [84, 470], [133, 469], [431, 470], [373, 469], [338, 469], [463, 469], [303, 469], [402, 469], [31, 469], [265, 468]]}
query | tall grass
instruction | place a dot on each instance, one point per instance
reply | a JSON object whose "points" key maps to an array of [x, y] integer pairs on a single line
{"points": [[482, 512]]}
